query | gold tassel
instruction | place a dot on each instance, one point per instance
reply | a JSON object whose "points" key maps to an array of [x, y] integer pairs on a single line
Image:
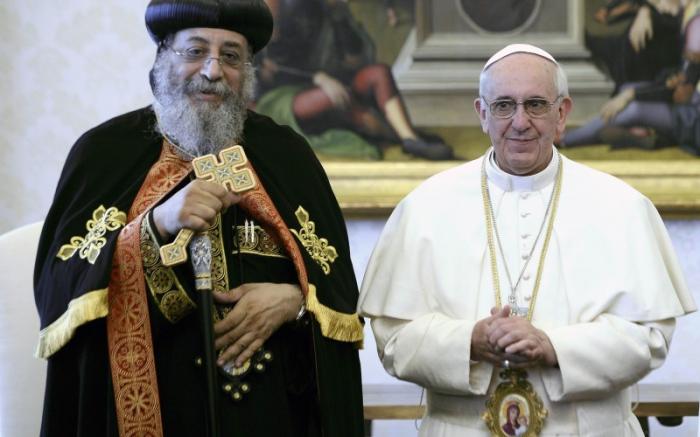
{"points": [[88, 307], [335, 325]]}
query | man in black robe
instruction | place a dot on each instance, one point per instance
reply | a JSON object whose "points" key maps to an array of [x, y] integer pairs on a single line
{"points": [[120, 329]]}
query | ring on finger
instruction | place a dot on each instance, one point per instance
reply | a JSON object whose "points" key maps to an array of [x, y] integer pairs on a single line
{"points": [[505, 364]]}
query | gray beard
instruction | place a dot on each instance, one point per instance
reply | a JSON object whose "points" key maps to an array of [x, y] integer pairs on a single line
{"points": [[200, 128]]}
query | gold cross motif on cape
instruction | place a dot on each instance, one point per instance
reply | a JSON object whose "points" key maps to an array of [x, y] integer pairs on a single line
{"points": [[231, 171]]}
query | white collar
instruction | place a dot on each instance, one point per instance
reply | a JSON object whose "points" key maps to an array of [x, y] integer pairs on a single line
{"points": [[508, 182]]}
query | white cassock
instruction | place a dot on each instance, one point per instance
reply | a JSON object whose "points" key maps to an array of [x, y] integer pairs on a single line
{"points": [[610, 292]]}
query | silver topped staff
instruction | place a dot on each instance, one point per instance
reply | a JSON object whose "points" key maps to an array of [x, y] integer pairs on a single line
{"points": [[200, 254]]}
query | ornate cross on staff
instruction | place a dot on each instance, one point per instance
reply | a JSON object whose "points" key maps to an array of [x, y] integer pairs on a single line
{"points": [[231, 172]]}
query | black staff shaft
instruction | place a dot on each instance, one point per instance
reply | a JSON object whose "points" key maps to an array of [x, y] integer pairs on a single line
{"points": [[200, 249]]}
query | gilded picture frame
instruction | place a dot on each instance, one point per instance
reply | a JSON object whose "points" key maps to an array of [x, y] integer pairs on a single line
{"points": [[374, 188]]}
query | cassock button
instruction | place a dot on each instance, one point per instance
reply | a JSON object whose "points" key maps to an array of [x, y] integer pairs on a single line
{"points": [[524, 195], [524, 235], [524, 214], [526, 276], [524, 255], [528, 297]]}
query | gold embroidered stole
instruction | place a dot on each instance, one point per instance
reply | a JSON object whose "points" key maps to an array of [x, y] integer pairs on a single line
{"points": [[129, 337]]}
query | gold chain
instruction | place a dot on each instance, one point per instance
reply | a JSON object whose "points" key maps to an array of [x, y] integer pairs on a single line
{"points": [[490, 226]]}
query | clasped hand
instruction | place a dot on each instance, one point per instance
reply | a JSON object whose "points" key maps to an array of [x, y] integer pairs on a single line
{"points": [[260, 309], [503, 337]]}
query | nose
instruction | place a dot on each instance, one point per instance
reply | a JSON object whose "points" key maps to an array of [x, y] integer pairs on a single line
{"points": [[211, 69], [520, 120]]}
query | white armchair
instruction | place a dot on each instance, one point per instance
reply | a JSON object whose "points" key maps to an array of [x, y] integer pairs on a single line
{"points": [[22, 377]]}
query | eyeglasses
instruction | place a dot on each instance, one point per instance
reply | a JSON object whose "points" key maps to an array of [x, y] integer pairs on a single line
{"points": [[201, 55], [535, 107]]}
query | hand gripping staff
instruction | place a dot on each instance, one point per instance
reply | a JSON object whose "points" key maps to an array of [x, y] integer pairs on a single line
{"points": [[231, 172]]}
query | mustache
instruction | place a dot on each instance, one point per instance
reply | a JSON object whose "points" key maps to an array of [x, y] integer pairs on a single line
{"points": [[200, 84]]}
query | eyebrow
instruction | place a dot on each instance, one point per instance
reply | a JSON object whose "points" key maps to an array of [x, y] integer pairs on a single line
{"points": [[513, 99], [227, 44]]}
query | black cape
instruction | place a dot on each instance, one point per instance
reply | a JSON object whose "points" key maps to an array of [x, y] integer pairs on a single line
{"points": [[107, 166]]}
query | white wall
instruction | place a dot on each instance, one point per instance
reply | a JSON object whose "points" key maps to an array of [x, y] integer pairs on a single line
{"points": [[65, 67]]}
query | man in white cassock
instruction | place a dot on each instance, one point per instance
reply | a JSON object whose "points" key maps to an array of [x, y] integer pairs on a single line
{"points": [[524, 266]]}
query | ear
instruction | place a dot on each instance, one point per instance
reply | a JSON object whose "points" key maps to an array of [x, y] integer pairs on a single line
{"points": [[480, 109], [565, 108]]}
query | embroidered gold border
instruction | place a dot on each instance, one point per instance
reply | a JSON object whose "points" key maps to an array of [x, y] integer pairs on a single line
{"points": [[334, 324], [264, 244], [129, 338], [318, 248], [219, 269], [167, 292], [86, 308]]}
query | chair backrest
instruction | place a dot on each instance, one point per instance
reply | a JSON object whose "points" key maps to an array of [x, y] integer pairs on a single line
{"points": [[22, 377]]}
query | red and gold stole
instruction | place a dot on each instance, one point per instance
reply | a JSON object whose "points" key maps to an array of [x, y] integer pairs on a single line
{"points": [[131, 354]]}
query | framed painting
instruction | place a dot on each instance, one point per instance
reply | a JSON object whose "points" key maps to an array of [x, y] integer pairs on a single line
{"points": [[341, 72]]}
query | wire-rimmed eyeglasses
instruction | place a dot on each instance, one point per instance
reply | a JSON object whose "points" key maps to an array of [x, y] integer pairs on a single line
{"points": [[200, 55], [534, 107]]}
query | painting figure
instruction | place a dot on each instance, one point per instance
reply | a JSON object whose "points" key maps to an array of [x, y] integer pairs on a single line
{"points": [[391, 17], [654, 114], [392, 8], [522, 428], [512, 415], [318, 75], [635, 40]]}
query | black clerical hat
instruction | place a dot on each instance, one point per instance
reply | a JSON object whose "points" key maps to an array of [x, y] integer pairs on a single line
{"points": [[250, 18]]}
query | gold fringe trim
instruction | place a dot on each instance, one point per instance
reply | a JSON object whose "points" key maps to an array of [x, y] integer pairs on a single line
{"points": [[88, 307], [335, 325]]}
